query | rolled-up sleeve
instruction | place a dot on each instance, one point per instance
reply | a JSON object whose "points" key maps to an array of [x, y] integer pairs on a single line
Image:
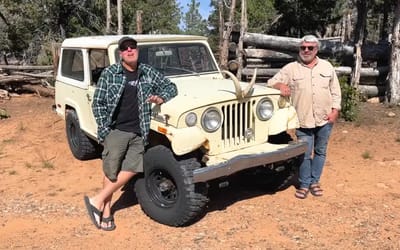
{"points": [[283, 76]]}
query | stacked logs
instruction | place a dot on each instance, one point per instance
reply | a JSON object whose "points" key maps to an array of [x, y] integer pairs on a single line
{"points": [[270, 53]]}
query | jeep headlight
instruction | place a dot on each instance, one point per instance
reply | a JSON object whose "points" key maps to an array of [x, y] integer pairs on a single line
{"points": [[211, 120], [265, 109], [191, 119]]}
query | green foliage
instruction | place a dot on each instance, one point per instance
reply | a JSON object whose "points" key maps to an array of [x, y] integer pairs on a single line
{"points": [[4, 114], [193, 21], [301, 17], [366, 155], [159, 16], [29, 28], [260, 15], [350, 101]]}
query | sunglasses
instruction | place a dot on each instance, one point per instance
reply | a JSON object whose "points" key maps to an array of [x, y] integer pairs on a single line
{"points": [[310, 48], [125, 46]]}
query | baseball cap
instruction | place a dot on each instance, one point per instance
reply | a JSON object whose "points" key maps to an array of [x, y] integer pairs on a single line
{"points": [[125, 40]]}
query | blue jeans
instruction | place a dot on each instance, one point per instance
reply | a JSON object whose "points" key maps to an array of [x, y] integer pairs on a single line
{"points": [[314, 159]]}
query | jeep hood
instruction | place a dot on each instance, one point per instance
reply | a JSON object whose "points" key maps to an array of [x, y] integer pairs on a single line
{"points": [[199, 91]]}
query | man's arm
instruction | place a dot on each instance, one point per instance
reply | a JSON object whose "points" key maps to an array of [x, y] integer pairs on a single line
{"points": [[336, 98], [335, 92], [163, 89], [280, 81], [99, 104], [285, 90]]}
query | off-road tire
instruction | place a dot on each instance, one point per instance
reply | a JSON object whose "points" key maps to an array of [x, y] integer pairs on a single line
{"points": [[82, 147], [166, 193]]}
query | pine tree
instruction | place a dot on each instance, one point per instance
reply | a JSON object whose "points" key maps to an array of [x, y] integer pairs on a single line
{"points": [[194, 24]]}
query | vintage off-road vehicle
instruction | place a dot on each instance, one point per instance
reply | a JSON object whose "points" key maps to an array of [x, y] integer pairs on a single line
{"points": [[213, 128]]}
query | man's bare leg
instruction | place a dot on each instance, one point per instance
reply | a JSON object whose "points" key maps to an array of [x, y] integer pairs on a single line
{"points": [[102, 200]]}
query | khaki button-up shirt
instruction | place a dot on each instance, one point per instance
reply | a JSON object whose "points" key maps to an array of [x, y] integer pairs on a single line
{"points": [[314, 91]]}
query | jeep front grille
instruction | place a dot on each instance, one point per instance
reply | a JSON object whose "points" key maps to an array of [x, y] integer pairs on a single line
{"points": [[238, 125]]}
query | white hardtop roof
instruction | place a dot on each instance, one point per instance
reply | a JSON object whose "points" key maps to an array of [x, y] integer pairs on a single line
{"points": [[107, 40]]}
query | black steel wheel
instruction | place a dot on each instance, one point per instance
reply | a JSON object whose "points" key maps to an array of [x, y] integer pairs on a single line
{"points": [[166, 192]]}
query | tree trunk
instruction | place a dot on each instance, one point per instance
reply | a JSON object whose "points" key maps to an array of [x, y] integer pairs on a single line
{"points": [[358, 40], [243, 30], [384, 27], [55, 52], [394, 75], [108, 17], [221, 29], [224, 52], [119, 7], [139, 26]]}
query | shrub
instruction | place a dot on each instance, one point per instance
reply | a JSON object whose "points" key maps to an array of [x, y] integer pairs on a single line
{"points": [[350, 100]]}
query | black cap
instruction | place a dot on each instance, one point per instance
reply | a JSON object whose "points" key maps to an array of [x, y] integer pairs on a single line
{"points": [[125, 39]]}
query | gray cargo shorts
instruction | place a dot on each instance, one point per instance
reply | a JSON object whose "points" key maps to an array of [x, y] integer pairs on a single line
{"points": [[123, 151]]}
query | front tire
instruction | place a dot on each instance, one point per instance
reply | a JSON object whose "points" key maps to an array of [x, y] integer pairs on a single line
{"points": [[166, 193], [82, 147]]}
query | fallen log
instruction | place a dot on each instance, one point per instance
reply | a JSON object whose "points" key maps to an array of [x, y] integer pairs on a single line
{"points": [[16, 79], [247, 71], [40, 75], [328, 47], [26, 67], [365, 72], [371, 90], [39, 90], [269, 54], [4, 94], [233, 65]]}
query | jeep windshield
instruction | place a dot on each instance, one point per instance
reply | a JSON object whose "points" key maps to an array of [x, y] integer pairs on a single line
{"points": [[177, 59]]}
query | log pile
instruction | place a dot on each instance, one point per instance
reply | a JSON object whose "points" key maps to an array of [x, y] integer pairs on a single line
{"points": [[27, 78], [270, 53]]}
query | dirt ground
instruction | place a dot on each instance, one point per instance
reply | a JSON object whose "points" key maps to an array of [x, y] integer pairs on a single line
{"points": [[42, 188]]}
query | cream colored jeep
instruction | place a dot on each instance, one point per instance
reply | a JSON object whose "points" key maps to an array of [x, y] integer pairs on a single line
{"points": [[213, 128]]}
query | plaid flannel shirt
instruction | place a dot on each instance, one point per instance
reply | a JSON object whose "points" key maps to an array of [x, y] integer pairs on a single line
{"points": [[110, 87]]}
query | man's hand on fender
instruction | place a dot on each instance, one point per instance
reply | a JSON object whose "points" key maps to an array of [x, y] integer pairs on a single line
{"points": [[155, 99], [285, 90]]}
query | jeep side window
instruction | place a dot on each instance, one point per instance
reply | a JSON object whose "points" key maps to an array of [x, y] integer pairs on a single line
{"points": [[98, 60], [72, 64]]}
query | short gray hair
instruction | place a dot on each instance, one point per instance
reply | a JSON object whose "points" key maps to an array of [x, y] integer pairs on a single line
{"points": [[310, 39]]}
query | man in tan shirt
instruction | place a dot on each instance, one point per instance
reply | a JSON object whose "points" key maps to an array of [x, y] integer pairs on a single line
{"points": [[313, 86]]}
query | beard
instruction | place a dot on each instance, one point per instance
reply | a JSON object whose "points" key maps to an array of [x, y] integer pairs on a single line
{"points": [[306, 58]]}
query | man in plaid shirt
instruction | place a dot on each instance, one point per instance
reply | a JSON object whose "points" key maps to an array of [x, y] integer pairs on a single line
{"points": [[122, 109]]}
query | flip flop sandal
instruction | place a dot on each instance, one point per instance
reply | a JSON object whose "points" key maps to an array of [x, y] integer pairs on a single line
{"points": [[92, 211], [110, 223], [301, 193], [316, 190]]}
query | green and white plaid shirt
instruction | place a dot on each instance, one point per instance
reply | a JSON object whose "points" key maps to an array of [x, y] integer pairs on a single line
{"points": [[110, 87]]}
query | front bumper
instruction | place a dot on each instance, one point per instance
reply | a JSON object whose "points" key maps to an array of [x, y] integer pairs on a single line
{"points": [[270, 153]]}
